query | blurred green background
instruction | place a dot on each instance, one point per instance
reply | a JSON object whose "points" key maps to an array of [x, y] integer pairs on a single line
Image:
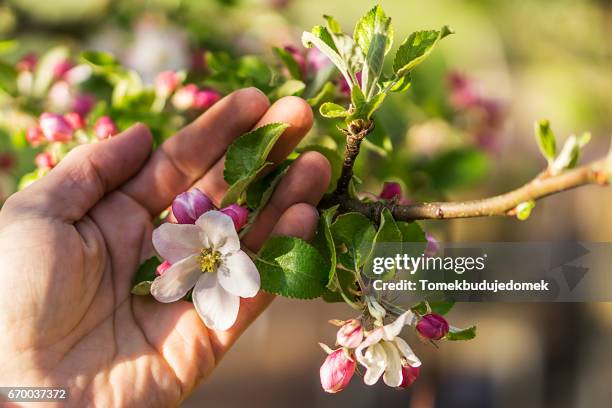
{"points": [[533, 59]]}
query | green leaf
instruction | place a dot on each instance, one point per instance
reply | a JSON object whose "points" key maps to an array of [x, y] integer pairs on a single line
{"points": [[333, 110], [8, 78], [321, 38], [413, 239], [416, 48], [292, 87], [236, 190], [358, 99], [333, 25], [324, 242], [441, 307], [249, 152], [261, 190], [101, 60], [291, 267], [546, 140], [365, 109], [325, 94], [388, 232], [292, 65], [523, 210], [456, 334], [372, 23], [402, 84], [374, 35], [353, 234], [144, 277]]}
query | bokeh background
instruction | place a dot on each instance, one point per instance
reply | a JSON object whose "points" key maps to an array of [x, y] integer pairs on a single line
{"points": [[523, 60]]}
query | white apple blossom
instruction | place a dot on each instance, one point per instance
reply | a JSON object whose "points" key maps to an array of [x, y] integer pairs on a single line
{"points": [[384, 352], [207, 257]]}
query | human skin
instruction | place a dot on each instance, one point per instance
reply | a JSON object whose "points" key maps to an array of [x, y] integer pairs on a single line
{"points": [[71, 242]]}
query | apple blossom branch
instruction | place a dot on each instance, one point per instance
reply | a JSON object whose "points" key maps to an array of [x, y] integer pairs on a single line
{"points": [[596, 173]]}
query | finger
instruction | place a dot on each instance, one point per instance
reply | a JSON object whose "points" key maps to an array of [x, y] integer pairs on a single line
{"points": [[86, 174], [299, 220], [306, 181], [291, 110], [186, 156]]}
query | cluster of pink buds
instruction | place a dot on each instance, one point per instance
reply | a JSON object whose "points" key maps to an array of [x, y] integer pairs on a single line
{"points": [[339, 366], [486, 114], [184, 97], [187, 207]]}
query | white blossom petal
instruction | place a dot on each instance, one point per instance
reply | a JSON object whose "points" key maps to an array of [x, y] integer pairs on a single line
{"points": [[239, 275], [393, 371], [174, 242], [217, 308], [219, 231], [372, 338], [407, 352], [375, 360], [392, 330], [176, 281]]}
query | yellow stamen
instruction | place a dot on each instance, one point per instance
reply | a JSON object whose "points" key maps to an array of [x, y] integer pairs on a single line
{"points": [[209, 260]]}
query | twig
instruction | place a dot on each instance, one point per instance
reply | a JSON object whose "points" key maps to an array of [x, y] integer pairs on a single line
{"points": [[597, 173]]}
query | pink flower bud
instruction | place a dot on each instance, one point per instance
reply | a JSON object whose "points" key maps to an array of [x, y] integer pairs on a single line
{"points": [[184, 97], [298, 56], [390, 191], [350, 334], [206, 98], [432, 326], [337, 371], [239, 215], [166, 82], [432, 245], [75, 120], [409, 375], [34, 136], [344, 88], [55, 127], [60, 69], [27, 62], [316, 60], [44, 160], [162, 268], [188, 206], [83, 104], [105, 128]]}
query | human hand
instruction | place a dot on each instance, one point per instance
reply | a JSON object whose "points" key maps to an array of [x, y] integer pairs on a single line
{"points": [[71, 242]]}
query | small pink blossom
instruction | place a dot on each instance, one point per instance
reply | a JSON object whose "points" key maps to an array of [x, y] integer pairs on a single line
{"points": [[34, 136], [105, 128], [184, 97], [44, 160], [166, 82], [55, 127], [238, 214], [27, 62], [350, 334], [205, 98], [433, 246], [432, 326], [61, 68], [337, 371], [187, 207], [393, 191], [83, 104], [75, 120]]}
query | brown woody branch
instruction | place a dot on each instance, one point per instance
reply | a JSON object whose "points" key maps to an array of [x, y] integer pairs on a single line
{"points": [[598, 173]]}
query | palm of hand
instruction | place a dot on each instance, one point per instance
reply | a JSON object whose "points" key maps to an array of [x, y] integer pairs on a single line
{"points": [[70, 244]]}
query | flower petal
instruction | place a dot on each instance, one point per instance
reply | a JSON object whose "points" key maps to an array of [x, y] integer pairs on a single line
{"points": [[407, 352], [217, 307], [393, 330], [393, 372], [239, 275], [219, 230], [374, 337], [376, 362], [176, 281], [174, 242]]}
